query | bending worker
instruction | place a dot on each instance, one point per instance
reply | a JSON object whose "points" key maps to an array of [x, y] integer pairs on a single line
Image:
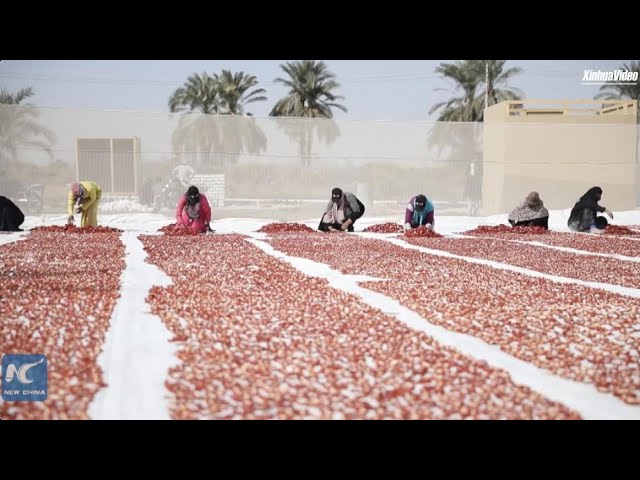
{"points": [[84, 197], [419, 213]]}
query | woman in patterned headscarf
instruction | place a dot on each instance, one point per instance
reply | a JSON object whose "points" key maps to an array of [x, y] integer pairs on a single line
{"points": [[530, 213]]}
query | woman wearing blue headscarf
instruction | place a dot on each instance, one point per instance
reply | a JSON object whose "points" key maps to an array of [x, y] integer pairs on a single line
{"points": [[419, 213]]}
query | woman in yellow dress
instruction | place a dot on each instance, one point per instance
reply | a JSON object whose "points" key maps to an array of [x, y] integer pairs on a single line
{"points": [[87, 196]]}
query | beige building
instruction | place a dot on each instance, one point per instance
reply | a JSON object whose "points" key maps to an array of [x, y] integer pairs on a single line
{"points": [[560, 149]]}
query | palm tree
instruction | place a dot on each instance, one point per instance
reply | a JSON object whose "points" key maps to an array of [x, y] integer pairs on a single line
{"points": [[215, 139], [618, 92], [8, 98], [471, 84], [472, 79], [311, 87], [198, 94], [232, 91], [458, 108], [19, 127], [494, 83]]}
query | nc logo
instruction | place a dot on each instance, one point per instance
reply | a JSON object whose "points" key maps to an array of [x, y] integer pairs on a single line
{"points": [[24, 378], [21, 372]]}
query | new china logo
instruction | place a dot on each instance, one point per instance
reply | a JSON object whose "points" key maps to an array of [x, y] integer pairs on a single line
{"points": [[24, 378]]}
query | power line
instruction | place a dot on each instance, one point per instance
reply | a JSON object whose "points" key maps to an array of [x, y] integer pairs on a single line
{"points": [[370, 78], [128, 81]]}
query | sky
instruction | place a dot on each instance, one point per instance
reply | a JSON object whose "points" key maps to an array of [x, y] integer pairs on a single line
{"points": [[394, 90]]}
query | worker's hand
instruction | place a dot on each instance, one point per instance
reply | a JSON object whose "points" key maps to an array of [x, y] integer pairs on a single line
{"points": [[429, 226], [346, 224], [608, 212], [79, 210], [407, 226], [71, 220]]}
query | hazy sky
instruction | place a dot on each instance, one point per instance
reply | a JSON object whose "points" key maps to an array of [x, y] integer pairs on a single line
{"points": [[373, 89]]}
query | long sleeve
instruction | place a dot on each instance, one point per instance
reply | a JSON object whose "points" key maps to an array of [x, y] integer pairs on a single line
{"points": [[92, 191], [596, 207], [70, 204], [408, 213], [353, 202]]}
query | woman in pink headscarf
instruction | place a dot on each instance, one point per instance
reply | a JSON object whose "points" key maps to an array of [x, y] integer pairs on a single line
{"points": [[193, 211]]}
